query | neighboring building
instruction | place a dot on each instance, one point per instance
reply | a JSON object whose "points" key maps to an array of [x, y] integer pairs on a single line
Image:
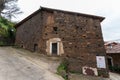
{"points": [[113, 53], [56, 32]]}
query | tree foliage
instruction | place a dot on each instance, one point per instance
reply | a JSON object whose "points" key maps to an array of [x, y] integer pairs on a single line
{"points": [[6, 28], [1, 5], [9, 8]]}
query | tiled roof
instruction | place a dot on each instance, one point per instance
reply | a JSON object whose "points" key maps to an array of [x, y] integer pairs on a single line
{"points": [[112, 47]]}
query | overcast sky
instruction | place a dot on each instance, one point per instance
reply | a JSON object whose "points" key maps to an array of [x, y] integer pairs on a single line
{"points": [[106, 8]]}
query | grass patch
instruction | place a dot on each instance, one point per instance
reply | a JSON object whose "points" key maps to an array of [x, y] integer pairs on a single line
{"points": [[2, 43], [74, 72], [115, 69], [16, 46], [62, 69]]}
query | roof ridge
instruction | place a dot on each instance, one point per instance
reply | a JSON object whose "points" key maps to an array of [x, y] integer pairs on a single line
{"points": [[102, 18], [45, 8]]}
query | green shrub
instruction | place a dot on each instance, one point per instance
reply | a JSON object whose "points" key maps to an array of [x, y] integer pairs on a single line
{"points": [[74, 72], [63, 69], [115, 69], [16, 46], [2, 43], [7, 31]]}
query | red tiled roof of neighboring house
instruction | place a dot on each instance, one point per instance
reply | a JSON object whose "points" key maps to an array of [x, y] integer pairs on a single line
{"points": [[112, 47]]}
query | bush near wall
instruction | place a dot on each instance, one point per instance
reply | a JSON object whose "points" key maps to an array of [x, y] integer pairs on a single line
{"points": [[115, 69], [63, 69], [7, 32]]}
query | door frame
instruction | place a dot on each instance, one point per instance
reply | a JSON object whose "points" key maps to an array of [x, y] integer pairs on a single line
{"points": [[111, 59], [51, 47]]}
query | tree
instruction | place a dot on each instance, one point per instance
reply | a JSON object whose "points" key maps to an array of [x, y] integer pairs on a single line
{"points": [[7, 31], [6, 28], [1, 5], [9, 8]]}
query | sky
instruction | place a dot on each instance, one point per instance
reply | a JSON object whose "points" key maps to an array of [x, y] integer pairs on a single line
{"points": [[105, 8]]}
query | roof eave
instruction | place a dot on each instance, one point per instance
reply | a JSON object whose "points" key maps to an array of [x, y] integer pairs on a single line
{"points": [[27, 18], [44, 8], [87, 15]]}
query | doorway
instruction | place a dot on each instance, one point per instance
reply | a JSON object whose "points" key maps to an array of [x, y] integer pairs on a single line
{"points": [[110, 62], [35, 47], [54, 48]]}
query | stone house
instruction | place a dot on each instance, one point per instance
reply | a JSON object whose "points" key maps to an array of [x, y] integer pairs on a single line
{"points": [[113, 53], [64, 33]]}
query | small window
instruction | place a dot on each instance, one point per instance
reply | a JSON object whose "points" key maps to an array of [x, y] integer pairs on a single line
{"points": [[55, 28], [46, 34], [99, 45], [88, 45], [96, 26], [77, 27], [84, 36], [97, 35], [21, 46], [81, 28], [35, 47], [75, 46], [110, 46]]}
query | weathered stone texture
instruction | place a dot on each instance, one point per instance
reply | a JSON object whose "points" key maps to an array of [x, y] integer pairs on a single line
{"points": [[80, 35], [29, 33]]}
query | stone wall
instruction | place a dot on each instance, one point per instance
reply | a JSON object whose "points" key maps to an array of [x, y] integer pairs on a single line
{"points": [[80, 37], [29, 33]]}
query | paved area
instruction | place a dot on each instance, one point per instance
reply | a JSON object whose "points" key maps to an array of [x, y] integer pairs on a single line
{"points": [[14, 66], [20, 64], [114, 76]]}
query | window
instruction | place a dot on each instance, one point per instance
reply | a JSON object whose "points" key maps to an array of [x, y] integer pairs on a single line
{"points": [[96, 26], [110, 46], [35, 47], [97, 35], [77, 27], [99, 45], [46, 34], [81, 28], [55, 29]]}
